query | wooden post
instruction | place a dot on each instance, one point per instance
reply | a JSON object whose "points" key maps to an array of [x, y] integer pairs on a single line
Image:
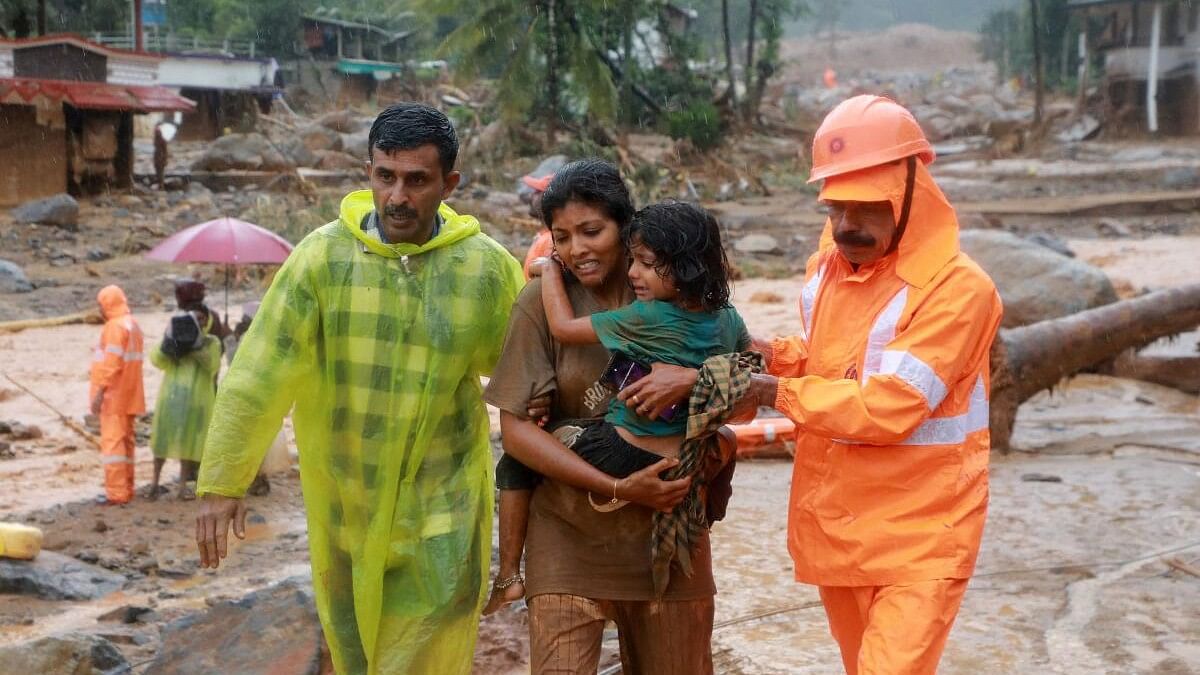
{"points": [[1082, 78], [1152, 71], [1039, 94], [137, 25]]}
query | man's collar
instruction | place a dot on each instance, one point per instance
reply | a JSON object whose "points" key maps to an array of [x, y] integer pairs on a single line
{"points": [[370, 226]]}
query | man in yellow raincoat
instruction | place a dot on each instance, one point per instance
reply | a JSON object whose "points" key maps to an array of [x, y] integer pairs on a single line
{"points": [[888, 385], [377, 329]]}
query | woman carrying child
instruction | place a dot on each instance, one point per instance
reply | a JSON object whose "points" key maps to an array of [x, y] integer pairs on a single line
{"points": [[583, 566]]}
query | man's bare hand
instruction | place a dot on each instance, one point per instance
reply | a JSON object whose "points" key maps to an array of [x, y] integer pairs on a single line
{"points": [[647, 489], [212, 527], [665, 386], [97, 402]]}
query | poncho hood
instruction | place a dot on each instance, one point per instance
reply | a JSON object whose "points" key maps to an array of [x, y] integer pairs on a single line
{"points": [[357, 204]]}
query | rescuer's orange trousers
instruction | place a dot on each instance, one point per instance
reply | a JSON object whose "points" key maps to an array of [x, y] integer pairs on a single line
{"points": [[893, 630], [116, 454]]}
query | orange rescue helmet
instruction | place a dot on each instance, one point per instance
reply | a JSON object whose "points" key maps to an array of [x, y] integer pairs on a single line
{"points": [[865, 131]]}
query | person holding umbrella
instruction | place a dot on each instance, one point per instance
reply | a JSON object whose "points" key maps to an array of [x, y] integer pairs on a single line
{"points": [[377, 330]]}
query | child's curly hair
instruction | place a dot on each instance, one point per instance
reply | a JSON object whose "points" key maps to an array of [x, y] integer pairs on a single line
{"points": [[686, 241]]}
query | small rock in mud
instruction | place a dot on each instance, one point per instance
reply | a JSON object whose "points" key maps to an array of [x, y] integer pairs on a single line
{"points": [[256, 519], [126, 614], [25, 432], [1041, 478], [100, 526], [6, 451], [88, 557]]}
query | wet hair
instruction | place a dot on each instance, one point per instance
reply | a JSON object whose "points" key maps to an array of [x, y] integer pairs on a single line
{"points": [[686, 241], [407, 126], [589, 181]]}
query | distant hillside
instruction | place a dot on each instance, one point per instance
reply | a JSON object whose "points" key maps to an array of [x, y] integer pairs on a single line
{"points": [[965, 15]]}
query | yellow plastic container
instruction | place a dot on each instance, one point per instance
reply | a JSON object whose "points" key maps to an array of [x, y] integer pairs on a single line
{"points": [[19, 541]]}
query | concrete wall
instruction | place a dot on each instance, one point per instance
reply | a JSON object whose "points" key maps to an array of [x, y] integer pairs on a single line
{"points": [[42, 170]]}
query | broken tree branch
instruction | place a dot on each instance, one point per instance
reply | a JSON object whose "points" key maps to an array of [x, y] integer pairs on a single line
{"points": [[87, 316], [70, 424]]}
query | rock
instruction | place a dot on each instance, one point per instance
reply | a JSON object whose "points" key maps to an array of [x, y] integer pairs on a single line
{"points": [[317, 137], [247, 152], [1040, 478], [6, 451], [89, 557], [273, 630], [1113, 228], [13, 279], [334, 160], [1035, 282], [757, 243], [127, 614], [61, 210], [25, 432], [355, 144], [1052, 242], [53, 576], [100, 527], [98, 254], [297, 152], [1181, 179], [70, 654]]}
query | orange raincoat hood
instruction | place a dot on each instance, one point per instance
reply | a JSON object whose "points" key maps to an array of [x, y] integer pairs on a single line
{"points": [[113, 302], [929, 241]]}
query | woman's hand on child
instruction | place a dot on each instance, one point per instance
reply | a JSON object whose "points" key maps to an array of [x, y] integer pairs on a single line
{"points": [[539, 409], [665, 386], [646, 488]]}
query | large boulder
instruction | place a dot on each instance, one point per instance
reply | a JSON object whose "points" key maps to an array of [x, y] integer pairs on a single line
{"points": [[246, 152], [273, 630], [298, 153], [54, 576], [61, 210], [1035, 282], [13, 279], [70, 654], [332, 160], [343, 121]]}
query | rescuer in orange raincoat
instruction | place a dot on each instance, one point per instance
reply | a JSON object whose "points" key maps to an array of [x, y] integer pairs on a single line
{"points": [[116, 395], [888, 385]]}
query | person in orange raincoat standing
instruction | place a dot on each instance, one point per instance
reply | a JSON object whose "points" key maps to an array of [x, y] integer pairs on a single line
{"points": [[116, 395], [888, 385]]}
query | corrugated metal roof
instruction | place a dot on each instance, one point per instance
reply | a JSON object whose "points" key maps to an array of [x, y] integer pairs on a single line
{"points": [[93, 95]]}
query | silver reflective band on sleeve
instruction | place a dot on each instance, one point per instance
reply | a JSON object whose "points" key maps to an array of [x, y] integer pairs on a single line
{"points": [[954, 430], [916, 373], [808, 301], [882, 332], [115, 350], [115, 459], [132, 356]]}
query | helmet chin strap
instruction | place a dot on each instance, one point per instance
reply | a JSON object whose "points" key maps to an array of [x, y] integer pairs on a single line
{"points": [[910, 180]]}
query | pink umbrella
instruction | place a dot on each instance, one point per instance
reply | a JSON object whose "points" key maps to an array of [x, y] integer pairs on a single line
{"points": [[226, 241]]}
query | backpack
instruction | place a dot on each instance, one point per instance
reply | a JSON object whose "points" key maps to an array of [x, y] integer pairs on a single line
{"points": [[183, 336]]}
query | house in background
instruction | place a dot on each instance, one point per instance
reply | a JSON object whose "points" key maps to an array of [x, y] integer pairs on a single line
{"points": [[346, 60], [229, 91], [66, 114], [1151, 51]]}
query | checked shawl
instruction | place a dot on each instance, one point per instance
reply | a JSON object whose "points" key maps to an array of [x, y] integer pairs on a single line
{"points": [[723, 380]]}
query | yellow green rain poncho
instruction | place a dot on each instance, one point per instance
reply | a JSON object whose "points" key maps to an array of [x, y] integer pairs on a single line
{"points": [[380, 347], [185, 400]]}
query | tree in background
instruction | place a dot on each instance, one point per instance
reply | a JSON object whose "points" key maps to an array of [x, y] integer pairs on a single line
{"points": [[1007, 38]]}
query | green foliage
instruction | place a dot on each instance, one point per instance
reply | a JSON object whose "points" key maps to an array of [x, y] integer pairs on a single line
{"points": [[699, 122], [1006, 39]]}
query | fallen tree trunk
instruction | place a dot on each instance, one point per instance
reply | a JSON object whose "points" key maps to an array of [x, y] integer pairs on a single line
{"points": [[1177, 372], [88, 316], [1031, 358]]}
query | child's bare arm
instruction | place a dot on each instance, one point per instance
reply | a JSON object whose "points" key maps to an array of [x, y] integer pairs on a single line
{"points": [[563, 325]]}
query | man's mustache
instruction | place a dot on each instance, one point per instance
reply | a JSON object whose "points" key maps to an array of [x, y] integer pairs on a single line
{"points": [[400, 212], [854, 238]]}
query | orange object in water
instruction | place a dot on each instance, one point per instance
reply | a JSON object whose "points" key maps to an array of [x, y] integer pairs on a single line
{"points": [[865, 131], [542, 247], [764, 438], [892, 630], [830, 78]]}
